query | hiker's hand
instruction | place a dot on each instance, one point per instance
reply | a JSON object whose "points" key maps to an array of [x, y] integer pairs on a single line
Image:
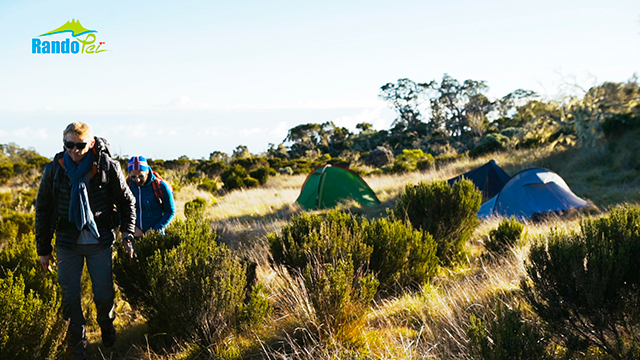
{"points": [[47, 261], [127, 241], [138, 232]]}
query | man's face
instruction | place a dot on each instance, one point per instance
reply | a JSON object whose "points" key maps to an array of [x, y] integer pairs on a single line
{"points": [[139, 177], [78, 147]]}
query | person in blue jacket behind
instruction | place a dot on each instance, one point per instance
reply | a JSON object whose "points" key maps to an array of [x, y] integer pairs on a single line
{"points": [[154, 202]]}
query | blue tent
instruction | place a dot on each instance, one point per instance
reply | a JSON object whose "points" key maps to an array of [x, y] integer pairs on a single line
{"points": [[531, 192], [488, 178]]}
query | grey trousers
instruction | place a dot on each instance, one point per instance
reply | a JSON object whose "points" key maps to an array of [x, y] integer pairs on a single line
{"points": [[70, 266]]}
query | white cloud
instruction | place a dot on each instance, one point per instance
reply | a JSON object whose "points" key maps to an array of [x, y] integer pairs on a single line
{"points": [[183, 102], [210, 132], [167, 131], [29, 133], [294, 105], [252, 131], [132, 131], [281, 130], [370, 115]]}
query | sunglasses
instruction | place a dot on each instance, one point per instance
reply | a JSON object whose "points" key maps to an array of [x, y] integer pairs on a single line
{"points": [[141, 176], [70, 145]]}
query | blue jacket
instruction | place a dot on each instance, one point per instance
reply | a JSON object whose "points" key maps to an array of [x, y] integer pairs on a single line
{"points": [[150, 215]]}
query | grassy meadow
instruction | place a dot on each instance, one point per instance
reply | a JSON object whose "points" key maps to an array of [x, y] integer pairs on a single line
{"points": [[431, 322]]}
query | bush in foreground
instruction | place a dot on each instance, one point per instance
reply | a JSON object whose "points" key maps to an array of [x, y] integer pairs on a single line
{"points": [[31, 325], [396, 253], [586, 284], [402, 256], [184, 283], [506, 235], [446, 212], [505, 335]]}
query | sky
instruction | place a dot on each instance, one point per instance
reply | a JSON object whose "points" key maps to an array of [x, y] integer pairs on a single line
{"points": [[193, 77]]}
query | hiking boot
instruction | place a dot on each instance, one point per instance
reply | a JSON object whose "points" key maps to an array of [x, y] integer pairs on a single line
{"points": [[76, 342], [108, 335]]}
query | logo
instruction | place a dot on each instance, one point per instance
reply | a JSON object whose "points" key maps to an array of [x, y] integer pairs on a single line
{"points": [[70, 45]]}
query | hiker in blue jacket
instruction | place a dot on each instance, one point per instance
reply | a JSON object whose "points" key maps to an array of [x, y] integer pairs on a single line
{"points": [[154, 197]]}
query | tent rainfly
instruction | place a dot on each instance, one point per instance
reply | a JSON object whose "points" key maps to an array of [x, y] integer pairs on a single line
{"points": [[328, 185], [531, 192], [488, 178]]}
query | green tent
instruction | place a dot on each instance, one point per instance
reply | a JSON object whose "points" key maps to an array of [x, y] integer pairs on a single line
{"points": [[327, 185]]}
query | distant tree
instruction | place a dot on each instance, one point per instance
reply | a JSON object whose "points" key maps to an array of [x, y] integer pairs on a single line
{"points": [[277, 152], [405, 97], [460, 107], [365, 126], [304, 137], [333, 138], [241, 152], [507, 104], [219, 156]]}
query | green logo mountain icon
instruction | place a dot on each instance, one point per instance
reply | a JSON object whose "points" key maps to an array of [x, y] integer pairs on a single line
{"points": [[73, 26]]}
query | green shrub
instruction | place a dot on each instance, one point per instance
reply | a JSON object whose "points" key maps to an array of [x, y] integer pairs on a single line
{"points": [[6, 172], [339, 296], [412, 159], [21, 168], [446, 212], [195, 208], [25, 222], [176, 184], [401, 256], [211, 168], [261, 174], [491, 143], [444, 160], [397, 254], [397, 168], [336, 237], [586, 284], [285, 170], [236, 177], [257, 310], [332, 258], [209, 185], [30, 325], [5, 199], [506, 335], [250, 182], [21, 258], [251, 162], [360, 172], [426, 164], [39, 162], [506, 235], [345, 163], [184, 283], [25, 200]]}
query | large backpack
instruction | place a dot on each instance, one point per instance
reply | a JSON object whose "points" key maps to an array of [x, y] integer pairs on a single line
{"points": [[102, 165], [156, 184]]}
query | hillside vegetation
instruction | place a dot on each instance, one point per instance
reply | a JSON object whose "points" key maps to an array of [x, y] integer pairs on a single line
{"points": [[244, 273]]}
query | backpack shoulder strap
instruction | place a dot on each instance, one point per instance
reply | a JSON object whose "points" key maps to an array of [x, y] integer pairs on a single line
{"points": [[102, 160], [157, 189]]}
